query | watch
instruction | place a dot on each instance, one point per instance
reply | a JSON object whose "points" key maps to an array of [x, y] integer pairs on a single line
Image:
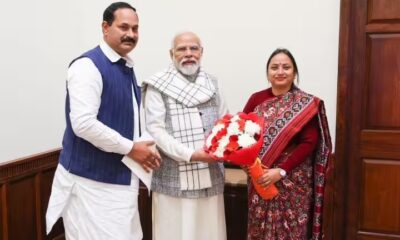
{"points": [[282, 173]]}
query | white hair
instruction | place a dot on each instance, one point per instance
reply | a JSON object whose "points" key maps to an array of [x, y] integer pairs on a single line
{"points": [[182, 33]]}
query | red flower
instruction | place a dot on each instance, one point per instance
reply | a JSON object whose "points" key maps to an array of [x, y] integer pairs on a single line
{"points": [[233, 145]]}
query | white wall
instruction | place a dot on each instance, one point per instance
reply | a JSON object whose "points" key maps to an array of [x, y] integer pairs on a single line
{"points": [[39, 38]]}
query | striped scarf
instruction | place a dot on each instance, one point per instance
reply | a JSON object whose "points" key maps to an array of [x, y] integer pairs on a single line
{"points": [[187, 126]]}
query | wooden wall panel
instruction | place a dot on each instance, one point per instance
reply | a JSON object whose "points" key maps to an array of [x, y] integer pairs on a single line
{"points": [[384, 81], [381, 196], [374, 238], [25, 185], [369, 238], [144, 205], [236, 210], [383, 10], [21, 207], [3, 214], [380, 144]]}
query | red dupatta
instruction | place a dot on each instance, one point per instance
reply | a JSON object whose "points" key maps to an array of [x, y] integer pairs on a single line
{"points": [[285, 116]]}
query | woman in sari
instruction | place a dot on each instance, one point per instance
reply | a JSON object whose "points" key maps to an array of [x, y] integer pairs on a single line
{"points": [[295, 153]]}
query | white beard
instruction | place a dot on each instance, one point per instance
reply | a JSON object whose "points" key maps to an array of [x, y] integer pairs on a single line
{"points": [[189, 69]]}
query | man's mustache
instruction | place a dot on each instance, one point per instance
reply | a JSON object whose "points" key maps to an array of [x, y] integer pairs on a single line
{"points": [[128, 39]]}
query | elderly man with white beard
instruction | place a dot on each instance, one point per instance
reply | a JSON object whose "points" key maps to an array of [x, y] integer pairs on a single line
{"points": [[182, 103]]}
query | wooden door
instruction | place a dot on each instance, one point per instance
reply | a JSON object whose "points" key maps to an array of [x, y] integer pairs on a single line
{"points": [[367, 168]]}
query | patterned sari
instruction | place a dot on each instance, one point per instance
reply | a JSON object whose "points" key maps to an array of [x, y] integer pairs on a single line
{"points": [[296, 213]]}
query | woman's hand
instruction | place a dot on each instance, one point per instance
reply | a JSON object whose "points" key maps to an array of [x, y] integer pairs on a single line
{"points": [[245, 168], [270, 176]]}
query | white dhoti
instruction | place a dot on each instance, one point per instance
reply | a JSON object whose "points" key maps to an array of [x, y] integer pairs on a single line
{"points": [[94, 210], [188, 219]]}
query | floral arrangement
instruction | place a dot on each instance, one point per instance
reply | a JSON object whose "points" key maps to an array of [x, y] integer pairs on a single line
{"points": [[238, 139]]}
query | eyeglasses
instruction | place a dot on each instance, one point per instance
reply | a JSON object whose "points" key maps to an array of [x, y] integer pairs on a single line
{"points": [[183, 49]]}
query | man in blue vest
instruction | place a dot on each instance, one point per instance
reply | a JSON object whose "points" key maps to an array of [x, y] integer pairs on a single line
{"points": [[94, 192]]}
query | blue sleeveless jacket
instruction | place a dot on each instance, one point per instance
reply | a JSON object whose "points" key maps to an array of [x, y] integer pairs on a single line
{"points": [[82, 158]]}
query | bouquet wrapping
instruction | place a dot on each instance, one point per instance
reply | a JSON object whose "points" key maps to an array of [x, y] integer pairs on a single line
{"points": [[238, 140]]}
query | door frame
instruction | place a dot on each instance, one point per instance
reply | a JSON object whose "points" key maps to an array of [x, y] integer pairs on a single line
{"points": [[342, 166]]}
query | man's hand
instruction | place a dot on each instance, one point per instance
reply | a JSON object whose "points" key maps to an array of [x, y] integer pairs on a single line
{"points": [[201, 156], [146, 155]]}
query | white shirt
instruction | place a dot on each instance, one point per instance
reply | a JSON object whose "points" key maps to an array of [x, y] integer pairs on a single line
{"points": [[85, 87], [155, 125]]}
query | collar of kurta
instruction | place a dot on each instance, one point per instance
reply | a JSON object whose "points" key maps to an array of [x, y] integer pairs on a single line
{"points": [[113, 56]]}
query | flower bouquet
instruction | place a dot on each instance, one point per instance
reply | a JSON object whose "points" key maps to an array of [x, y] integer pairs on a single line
{"points": [[238, 140]]}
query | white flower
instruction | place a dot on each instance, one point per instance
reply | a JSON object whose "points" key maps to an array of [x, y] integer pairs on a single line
{"points": [[245, 136], [209, 140], [235, 118], [217, 128], [219, 152], [252, 128], [222, 143], [246, 140], [214, 132], [233, 128]]}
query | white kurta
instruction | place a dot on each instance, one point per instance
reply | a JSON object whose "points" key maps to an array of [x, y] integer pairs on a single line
{"points": [[188, 219], [181, 218], [91, 209]]}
